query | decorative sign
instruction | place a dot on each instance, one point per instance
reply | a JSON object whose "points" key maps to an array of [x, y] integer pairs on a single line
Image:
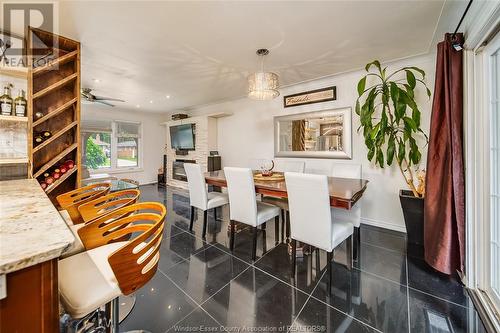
{"points": [[309, 97]]}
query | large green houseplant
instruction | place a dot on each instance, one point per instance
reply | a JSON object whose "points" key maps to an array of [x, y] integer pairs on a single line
{"points": [[390, 122]]}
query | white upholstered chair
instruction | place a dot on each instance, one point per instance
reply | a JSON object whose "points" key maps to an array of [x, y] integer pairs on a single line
{"points": [[319, 167], [354, 214], [284, 165], [199, 197], [243, 206], [311, 219]]}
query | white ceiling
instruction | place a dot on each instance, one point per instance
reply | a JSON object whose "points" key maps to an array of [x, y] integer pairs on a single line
{"points": [[201, 52]]}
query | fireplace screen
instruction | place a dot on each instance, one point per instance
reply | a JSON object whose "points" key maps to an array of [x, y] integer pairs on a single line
{"points": [[178, 171]]}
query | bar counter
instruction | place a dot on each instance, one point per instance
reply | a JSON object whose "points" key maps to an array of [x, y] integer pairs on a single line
{"points": [[32, 237]]}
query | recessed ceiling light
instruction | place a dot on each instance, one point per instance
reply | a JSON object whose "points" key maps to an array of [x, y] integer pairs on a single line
{"points": [[151, 102], [168, 96], [96, 80], [137, 106]]}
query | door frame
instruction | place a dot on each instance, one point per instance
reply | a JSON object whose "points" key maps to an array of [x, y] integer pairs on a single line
{"points": [[476, 134]]}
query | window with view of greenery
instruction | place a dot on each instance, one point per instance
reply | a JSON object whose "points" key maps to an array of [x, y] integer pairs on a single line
{"points": [[98, 151], [109, 144]]}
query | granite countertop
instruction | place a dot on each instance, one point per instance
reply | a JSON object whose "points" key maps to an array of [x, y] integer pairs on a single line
{"points": [[31, 229]]}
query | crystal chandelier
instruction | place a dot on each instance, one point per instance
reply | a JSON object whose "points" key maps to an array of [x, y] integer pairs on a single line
{"points": [[263, 85]]}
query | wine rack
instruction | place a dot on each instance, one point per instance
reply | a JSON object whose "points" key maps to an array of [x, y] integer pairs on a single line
{"points": [[54, 103]]}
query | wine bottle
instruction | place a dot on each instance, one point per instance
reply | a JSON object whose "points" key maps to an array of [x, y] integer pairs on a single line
{"points": [[20, 104], [49, 180], [38, 115], [46, 134], [6, 101], [38, 139]]}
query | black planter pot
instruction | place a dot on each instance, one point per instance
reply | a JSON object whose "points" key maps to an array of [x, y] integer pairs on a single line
{"points": [[413, 212]]}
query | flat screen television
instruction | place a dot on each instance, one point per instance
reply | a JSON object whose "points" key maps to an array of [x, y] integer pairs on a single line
{"points": [[182, 137]]}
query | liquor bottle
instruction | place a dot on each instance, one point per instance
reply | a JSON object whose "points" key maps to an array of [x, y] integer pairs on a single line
{"points": [[6, 101], [46, 134], [20, 104]]}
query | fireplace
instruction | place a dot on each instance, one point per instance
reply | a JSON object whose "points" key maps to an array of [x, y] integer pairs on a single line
{"points": [[178, 171]]}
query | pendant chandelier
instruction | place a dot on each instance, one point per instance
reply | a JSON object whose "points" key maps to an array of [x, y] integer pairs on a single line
{"points": [[263, 85]]}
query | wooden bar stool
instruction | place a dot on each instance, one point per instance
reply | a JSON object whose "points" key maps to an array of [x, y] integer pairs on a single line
{"points": [[70, 201], [107, 203], [97, 277], [99, 207]]}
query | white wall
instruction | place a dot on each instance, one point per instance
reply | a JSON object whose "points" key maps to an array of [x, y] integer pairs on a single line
{"points": [[153, 138], [248, 134]]}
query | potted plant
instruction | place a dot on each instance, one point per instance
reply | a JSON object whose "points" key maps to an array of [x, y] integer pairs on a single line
{"points": [[390, 122]]}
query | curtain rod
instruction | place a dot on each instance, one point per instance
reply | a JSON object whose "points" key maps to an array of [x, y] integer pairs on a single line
{"points": [[462, 18]]}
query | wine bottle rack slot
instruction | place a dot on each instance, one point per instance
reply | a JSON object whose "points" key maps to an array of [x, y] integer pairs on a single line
{"points": [[55, 112], [56, 85], [56, 62], [54, 136], [56, 159]]}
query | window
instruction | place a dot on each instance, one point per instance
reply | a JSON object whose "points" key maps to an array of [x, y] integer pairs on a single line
{"points": [[128, 144], [110, 145]]}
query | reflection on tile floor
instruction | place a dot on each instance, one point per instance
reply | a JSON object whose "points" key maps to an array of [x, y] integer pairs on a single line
{"points": [[200, 285]]}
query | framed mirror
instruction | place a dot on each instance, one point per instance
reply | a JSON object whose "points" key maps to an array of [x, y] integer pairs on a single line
{"points": [[318, 134]]}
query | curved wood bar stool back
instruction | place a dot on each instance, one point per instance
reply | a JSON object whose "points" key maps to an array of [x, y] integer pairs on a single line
{"points": [[70, 201], [101, 231], [134, 263], [97, 208], [108, 203]]}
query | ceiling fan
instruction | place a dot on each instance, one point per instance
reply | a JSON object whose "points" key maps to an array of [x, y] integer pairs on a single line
{"points": [[89, 97]]}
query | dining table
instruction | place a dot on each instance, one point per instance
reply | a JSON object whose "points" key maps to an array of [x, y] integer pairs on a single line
{"points": [[116, 184], [344, 192]]}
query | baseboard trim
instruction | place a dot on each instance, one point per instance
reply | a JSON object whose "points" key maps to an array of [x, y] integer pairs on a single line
{"points": [[383, 224], [149, 183]]}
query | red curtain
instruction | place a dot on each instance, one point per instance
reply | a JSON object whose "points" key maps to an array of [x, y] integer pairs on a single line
{"points": [[444, 225]]}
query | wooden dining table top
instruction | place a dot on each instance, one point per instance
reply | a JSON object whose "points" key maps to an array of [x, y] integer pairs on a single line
{"points": [[344, 192]]}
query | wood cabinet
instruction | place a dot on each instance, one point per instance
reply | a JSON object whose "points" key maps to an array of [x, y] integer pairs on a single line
{"points": [[32, 303]]}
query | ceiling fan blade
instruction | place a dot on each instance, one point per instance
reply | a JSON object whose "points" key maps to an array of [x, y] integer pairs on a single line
{"points": [[102, 98], [103, 102], [86, 96]]}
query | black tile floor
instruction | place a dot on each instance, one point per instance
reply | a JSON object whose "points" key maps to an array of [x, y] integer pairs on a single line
{"points": [[201, 286]]}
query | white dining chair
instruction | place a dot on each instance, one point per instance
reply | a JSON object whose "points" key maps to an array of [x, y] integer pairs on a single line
{"points": [[318, 167], [199, 197], [283, 165], [311, 218], [244, 208], [354, 214]]}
